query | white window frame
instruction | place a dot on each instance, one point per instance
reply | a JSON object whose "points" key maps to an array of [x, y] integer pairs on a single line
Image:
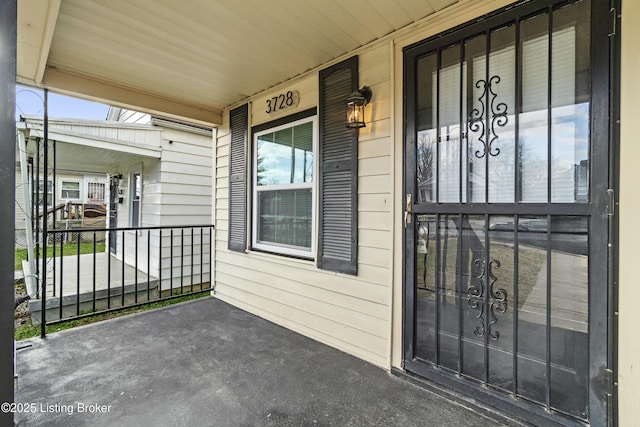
{"points": [[313, 185], [42, 194], [61, 181], [132, 194]]}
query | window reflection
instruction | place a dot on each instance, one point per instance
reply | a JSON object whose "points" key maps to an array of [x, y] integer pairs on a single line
{"points": [[542, 144]]}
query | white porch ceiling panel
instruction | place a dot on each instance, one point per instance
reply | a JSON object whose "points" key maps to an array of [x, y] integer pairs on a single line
{"points": [[190, 59]]}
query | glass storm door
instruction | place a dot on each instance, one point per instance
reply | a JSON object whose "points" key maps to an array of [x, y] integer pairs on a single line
{"points": [[506, 225]]}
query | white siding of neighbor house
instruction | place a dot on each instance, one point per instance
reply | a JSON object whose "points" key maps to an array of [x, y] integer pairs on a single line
{"points": [[21, 214], [130, 116], [176, 190], [186, 178], [144, 135], [351, 313]]}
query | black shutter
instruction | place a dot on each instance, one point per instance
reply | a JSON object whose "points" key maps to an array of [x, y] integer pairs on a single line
{"points": [[338, 186], [238, 129]]}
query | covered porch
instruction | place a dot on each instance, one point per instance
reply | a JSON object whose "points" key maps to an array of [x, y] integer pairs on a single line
{"points": [[195, 362], [205, 362]]}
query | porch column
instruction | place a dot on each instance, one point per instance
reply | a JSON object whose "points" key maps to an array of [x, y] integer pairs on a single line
{"points": [[8, 25]]}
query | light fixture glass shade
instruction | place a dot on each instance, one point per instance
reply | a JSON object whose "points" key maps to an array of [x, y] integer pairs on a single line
{"points": [[355, 107], [355, 115]]}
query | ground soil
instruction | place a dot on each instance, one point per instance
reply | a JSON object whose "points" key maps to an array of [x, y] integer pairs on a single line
{"points": [[21, 315]]}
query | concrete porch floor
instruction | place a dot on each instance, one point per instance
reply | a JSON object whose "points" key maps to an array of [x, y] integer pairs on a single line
{"points": [[104, 261], [206, 363], [69, 282]]}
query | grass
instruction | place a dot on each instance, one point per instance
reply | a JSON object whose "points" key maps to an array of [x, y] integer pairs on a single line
{"points": [[31, 331], [530, 262], [67, 249]]}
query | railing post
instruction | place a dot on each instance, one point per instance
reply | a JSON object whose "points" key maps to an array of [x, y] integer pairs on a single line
{"points": [[108, 252], [61, 273], [43, 297], [191, 272], [53, 255], [36, 186], [211, 243], [171, 266], [148, 264], [123, 263], [45, 218], [8, 25], [94, 273], [160, 263], [78, 240], [135, 277]]}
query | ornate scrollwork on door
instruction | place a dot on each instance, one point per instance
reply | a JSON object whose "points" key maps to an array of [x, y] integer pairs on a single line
{"points": [[498, 117], [493, 304]]}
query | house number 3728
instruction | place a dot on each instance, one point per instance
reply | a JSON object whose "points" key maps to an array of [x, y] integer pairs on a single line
{"points": [[282, 101]]}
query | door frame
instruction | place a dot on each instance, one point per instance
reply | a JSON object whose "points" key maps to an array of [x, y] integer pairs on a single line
{"points": [[604, 112]]}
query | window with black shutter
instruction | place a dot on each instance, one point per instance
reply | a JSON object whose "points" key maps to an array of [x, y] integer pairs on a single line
{"points": [[338, 176], [284, 183]]}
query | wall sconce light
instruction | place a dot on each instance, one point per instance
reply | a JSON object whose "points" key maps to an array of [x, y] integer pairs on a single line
{"points": [[355, 107]]}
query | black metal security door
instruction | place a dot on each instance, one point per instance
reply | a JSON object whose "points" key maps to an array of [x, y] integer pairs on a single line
{"points": [[506, 178]]}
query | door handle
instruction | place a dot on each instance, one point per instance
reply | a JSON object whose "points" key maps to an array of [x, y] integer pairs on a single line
{"points": [[407, 211]]}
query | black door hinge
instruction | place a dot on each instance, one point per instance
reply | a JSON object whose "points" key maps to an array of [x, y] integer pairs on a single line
{"points": [[611, 202], [614, 18]]}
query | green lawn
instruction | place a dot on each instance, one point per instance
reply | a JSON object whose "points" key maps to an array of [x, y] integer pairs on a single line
{"points": [[530, 262], [30, 331], [67, 249]]}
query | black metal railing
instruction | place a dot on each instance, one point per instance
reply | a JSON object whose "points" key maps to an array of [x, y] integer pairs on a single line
{"points": [[92, 271]]}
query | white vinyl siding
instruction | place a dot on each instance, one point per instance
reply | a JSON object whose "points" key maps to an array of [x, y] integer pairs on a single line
{"points": [[176, 191], [22, 212]]}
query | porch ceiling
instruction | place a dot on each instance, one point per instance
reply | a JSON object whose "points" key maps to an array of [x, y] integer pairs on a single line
{"points": [[85, 145], [190, 60], [86, 158], [97, 158]]}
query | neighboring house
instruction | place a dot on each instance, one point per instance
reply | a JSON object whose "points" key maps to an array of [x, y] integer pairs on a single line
{"points": [[71, 189], [323, 230], [171, 190], [149, 174]]}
